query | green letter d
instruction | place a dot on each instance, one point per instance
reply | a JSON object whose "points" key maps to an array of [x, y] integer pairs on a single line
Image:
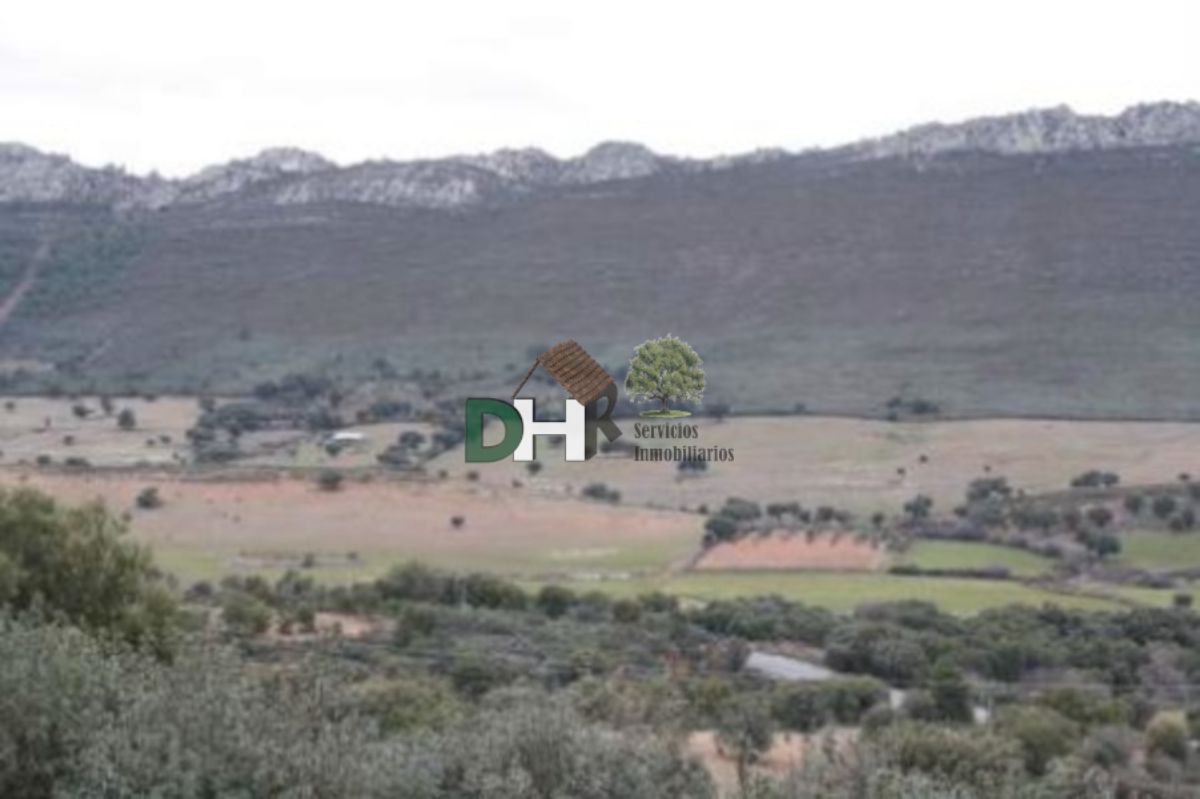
{"points": [[514, 429]]}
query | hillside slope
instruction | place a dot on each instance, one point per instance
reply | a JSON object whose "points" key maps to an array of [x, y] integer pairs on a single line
{"points": [[1043, 283]]}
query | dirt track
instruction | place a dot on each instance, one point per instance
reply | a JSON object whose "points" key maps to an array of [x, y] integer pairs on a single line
{"points": [[10, 303]]}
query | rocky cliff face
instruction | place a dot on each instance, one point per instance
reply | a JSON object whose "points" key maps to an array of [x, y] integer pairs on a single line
{"points": [[235, 176], [287, 176], [30, 176]]}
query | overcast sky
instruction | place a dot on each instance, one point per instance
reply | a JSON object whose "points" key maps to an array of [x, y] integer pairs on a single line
{"points": [[173, 86]]}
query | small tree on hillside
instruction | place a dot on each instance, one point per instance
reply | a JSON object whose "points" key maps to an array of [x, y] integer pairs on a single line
{"points": [[919, 507], [1102, 544], [126, 420], [329, 480], [411, 440], [950, 692], [745, 731], [1099, 515], [149, 499], [665, 369], [1164, 506], [77, 562]]}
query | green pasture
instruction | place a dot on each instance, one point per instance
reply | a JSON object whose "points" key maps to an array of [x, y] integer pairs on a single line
{"points": [[1160, 550], [973, 555]]}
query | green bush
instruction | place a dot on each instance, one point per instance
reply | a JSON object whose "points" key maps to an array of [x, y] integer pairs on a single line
{"points": [[407, 703], [244, 614], [968, 759], [473, 676], [807, 706], [554, 600], [75, 563], [1167, 735], [149, 499], [77, 720], [330, 480], [627, 611], [1042, 733]]}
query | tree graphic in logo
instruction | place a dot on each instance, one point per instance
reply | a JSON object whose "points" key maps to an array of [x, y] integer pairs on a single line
{"points": [[664, 370]]}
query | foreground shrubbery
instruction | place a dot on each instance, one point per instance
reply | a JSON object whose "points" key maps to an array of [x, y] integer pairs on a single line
{"points": [[918, 761], [76, 564], [471, 686], [79, 719]]}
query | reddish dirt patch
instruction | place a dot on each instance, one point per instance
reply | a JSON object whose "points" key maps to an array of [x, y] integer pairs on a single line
{"points": [[795, 551]]}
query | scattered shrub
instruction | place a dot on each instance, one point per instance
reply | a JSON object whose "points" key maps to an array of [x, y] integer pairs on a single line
{"points": [[330, 480], [149, 499]]}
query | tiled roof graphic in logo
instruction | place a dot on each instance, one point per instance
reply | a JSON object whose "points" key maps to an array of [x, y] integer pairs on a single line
{"points": [[576, 371]]}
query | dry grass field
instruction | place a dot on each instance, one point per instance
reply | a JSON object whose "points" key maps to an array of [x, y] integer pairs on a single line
{"points": [[866, 465], [31, 427], [265, 515], [208, 528]]}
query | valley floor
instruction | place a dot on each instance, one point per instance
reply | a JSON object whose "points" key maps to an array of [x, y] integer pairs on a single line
{"points": [[266, 514]]}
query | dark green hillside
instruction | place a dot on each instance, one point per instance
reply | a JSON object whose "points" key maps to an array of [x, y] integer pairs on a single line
{"points": [[1051, 284]]}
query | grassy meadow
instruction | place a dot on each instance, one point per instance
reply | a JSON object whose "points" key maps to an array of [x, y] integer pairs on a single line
{"points": [[1158, 550], [846, 591]]}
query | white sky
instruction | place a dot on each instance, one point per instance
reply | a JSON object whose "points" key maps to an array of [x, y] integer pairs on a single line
{"points": [[152, 84]]}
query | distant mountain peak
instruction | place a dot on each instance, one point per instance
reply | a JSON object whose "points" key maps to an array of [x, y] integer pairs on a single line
{"points": [[234, 176], [525, 165], [30, 175], [613, 160], [14, 151], [1045, 130]]}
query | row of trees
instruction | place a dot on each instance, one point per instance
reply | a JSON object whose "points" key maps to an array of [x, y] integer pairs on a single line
{"points": [[738, 517]]}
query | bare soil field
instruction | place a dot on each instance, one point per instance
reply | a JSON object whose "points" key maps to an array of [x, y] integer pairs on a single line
{"points": [[795, 551], [867, 465], [208, 528]]}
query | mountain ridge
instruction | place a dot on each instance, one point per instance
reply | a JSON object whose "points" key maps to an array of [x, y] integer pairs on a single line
{"points": [[291, 176]]}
